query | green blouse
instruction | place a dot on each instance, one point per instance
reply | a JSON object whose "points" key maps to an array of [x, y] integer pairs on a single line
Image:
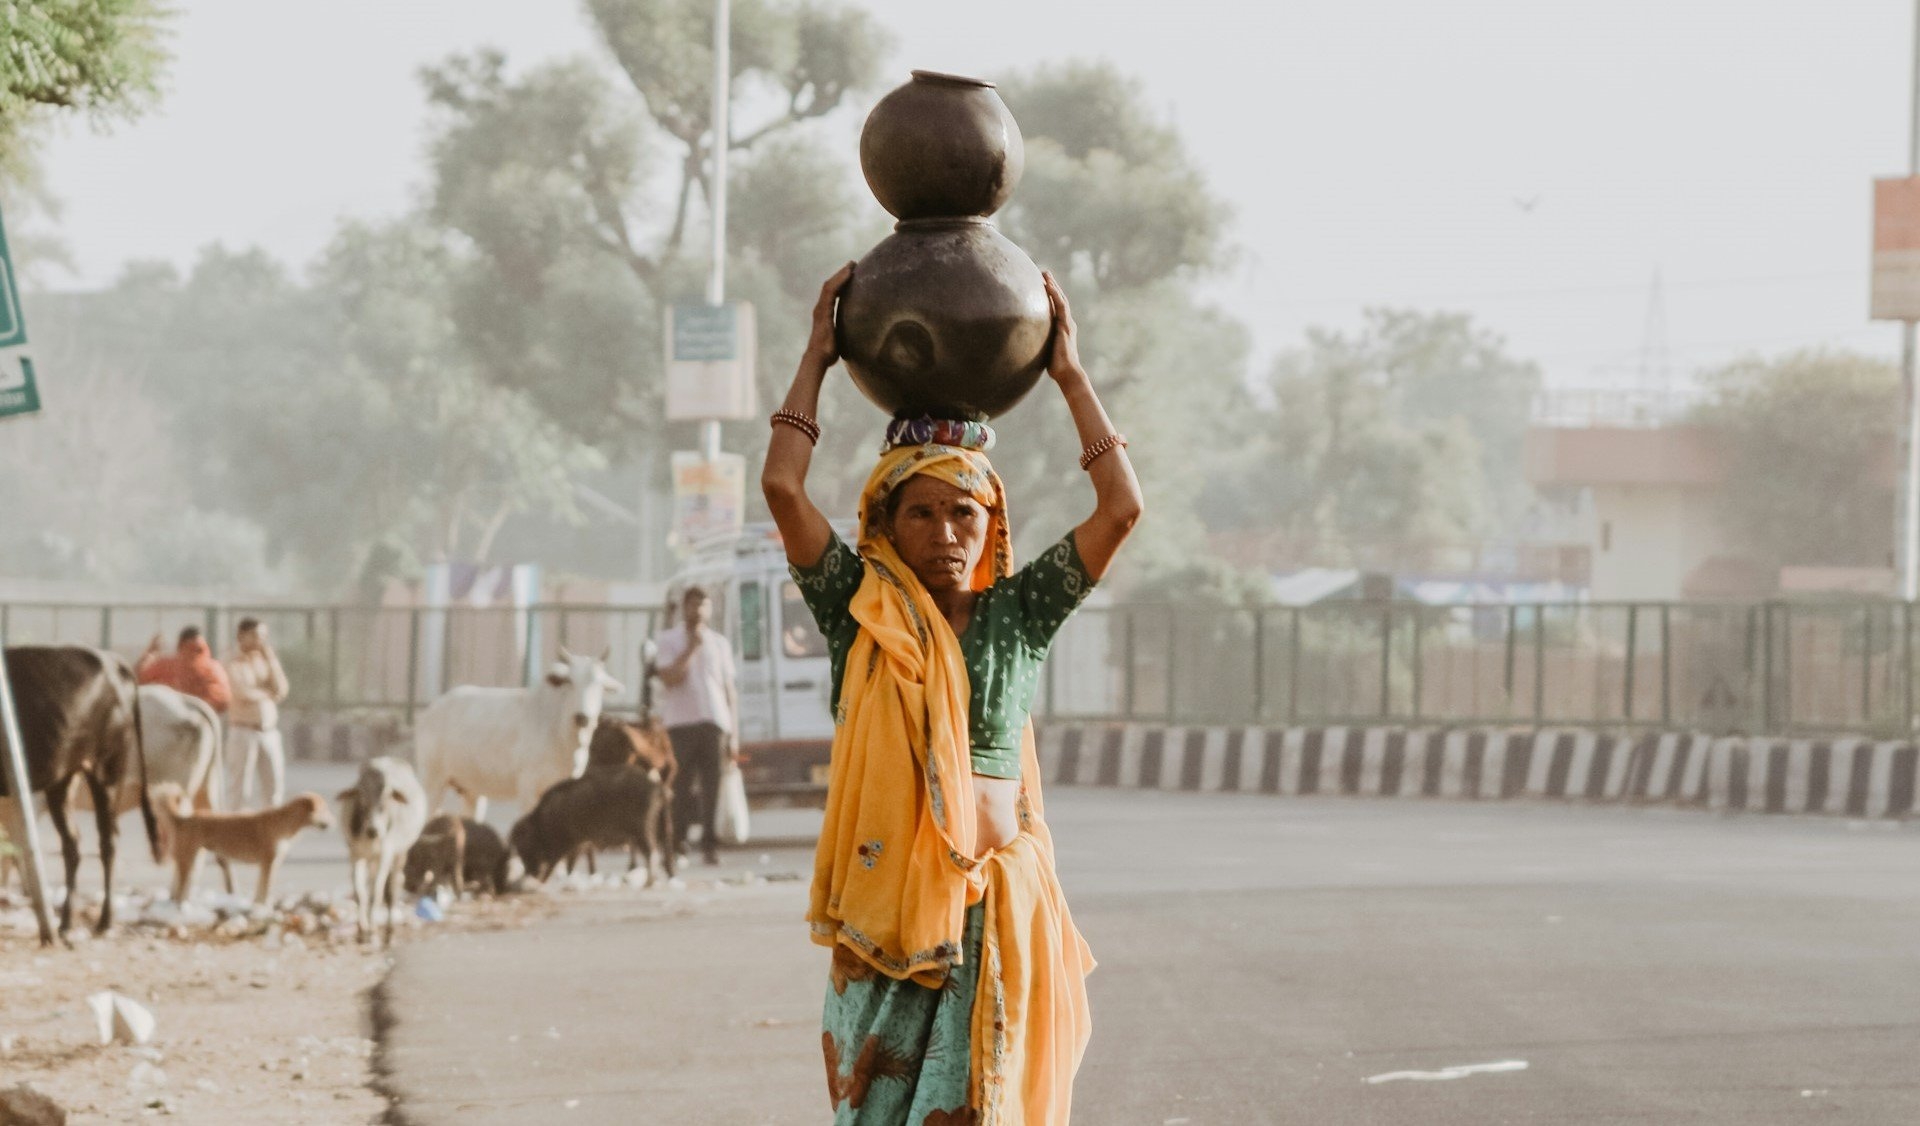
{"points": [[1005, 641]]}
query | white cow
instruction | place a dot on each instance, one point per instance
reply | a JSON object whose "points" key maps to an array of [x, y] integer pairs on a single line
{"points": [[511, 742], [381, 817]]}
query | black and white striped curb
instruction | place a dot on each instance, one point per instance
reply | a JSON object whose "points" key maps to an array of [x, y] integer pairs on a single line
{"points": [[1851, 777]]}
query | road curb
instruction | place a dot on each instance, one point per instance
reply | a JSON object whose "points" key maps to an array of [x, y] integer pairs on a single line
{"points": [[1846, 777]]}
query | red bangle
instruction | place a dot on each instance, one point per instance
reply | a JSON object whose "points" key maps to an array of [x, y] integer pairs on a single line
{"points": [[1092, 453], [805, 424]]}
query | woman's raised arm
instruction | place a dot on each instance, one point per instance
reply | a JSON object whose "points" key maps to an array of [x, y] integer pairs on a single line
{"points": [[783, 480], [1116, 491]]}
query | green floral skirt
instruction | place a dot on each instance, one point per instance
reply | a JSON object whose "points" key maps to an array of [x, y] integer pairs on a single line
{"points": [[899, 1054]]}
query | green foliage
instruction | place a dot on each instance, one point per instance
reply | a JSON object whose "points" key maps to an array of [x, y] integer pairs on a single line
{"points": [[1408, 430], [1110, 195], [535, 174], [334, 423], [101, 57], [1807, 439], [97, 55]]}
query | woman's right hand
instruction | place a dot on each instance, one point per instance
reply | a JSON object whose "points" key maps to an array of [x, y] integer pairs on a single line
{"points": [[821, 345]]}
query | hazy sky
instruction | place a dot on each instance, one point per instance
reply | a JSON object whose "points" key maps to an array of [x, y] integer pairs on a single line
{"points": [[1532, 163]]}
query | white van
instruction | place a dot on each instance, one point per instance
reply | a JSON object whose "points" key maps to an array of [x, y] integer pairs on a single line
{"points": [[786, 722]]}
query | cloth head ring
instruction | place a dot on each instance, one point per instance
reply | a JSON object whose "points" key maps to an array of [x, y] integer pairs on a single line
{"points": [[975, 436]]}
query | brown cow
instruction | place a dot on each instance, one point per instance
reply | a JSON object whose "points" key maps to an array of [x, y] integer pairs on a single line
{"points": [[79, 720]]}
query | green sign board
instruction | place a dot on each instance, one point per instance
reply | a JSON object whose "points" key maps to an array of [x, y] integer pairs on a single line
{"points": [[703, 333], [18, 392]]}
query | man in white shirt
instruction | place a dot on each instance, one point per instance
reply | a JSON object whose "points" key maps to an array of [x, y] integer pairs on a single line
{"points": [[700, 707], [253, 717]]}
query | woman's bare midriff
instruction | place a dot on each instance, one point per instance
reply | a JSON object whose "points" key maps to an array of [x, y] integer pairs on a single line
{"points": [[996, 810]]}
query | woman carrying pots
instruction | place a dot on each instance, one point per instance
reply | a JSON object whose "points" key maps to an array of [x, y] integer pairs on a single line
{"points": [[957, 991]]}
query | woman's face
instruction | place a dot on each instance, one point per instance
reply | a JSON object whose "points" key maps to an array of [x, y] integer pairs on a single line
{"points": [[939, 531]]}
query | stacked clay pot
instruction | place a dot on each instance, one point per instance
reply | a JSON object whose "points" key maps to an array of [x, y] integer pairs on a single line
{"points": [[945, 317]]}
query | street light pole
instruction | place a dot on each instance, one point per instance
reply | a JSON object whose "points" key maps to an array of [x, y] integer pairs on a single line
{"points": [[717, 186]]}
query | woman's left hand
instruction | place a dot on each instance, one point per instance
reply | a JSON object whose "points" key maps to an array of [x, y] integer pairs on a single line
{"points": [[1064, 358]]}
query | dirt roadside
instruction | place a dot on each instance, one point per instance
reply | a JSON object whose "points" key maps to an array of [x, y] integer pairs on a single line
{"points": [[261, 1021]]}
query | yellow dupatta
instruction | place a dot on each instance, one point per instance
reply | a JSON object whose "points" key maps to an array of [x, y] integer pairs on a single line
{"points": [[895, 868]]}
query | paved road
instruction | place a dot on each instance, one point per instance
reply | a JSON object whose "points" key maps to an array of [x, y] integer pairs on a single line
{"points": [[1261, 958]]}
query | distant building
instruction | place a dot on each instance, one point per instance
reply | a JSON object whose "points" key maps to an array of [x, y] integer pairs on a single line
{"points": [[1641, 488]]}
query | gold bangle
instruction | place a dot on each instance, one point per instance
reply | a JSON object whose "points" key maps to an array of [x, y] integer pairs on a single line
{"points": [[805, 424], [1092, 453]]}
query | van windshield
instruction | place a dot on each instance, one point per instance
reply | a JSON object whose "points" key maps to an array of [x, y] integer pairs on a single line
{"points": [[799, 637]]}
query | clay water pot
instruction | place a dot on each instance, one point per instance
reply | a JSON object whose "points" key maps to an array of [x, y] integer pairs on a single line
{"points": [[945, 317], [942, 147]]}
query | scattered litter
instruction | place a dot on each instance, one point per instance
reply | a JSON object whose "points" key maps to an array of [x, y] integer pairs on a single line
{"points": [[314, 914], [571, 1103], [146, 1075], [1460, 1072], [771, 1022], [428, 910], [120, 1018], [1812, 1091], [551, 1034]]}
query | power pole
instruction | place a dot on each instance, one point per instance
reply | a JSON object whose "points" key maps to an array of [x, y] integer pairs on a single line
{"points": [[717, 186]]}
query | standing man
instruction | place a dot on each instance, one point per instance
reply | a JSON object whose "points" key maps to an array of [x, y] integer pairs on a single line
{"points": [[700, 707], [253, 726], [190, 668]]}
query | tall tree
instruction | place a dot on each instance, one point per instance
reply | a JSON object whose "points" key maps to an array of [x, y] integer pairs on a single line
{"points": [[1809, 441], [339, 416], [562, 179], [1407, 430]]}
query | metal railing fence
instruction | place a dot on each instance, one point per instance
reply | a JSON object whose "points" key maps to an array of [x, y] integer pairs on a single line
{"points": [[359, 659], [1772, 667]]}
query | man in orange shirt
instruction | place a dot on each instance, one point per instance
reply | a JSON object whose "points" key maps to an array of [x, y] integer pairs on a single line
{"points": [[190, 668]]}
